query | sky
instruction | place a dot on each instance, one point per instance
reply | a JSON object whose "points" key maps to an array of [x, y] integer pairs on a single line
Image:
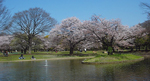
{"points": [[128, 11]]}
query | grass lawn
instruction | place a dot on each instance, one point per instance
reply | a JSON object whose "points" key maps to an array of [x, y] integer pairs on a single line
{"points": [[40, 56], [62, 52], [113, 58], [27, 57], [12, 58], [101, 57], [45, 55], [67, 52], [59, 52]]}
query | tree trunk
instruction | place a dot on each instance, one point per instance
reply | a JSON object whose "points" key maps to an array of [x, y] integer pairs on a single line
{"points": [[24, 51], [146, 48], [110, 50], [136, 48], [11, 51], [71, 50], [111, 53], [21, 51], [30, 44], [30, 47], [131, 49]]}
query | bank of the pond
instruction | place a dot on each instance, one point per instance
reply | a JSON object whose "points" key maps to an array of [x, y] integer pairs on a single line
{"points": [[15, 58], [116, 58]]}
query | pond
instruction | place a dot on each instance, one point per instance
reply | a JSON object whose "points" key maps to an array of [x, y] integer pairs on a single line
{"points": [[73, 70]]}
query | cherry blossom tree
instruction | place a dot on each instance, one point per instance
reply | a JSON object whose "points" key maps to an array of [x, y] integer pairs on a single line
{"points": [[139, 35], [5, 42], [69, 32], [89, 44], [135, 38], [55, 38], [98, 32], [108, 32]]}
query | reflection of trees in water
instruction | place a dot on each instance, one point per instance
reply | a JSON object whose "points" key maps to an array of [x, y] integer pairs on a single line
{"points": [[123, 72], [139, 69], [109, 74], [106, 72], [73, 70]]}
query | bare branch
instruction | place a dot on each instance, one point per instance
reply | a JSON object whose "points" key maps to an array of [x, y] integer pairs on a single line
{"points": [[4, 18], [32, 22]]}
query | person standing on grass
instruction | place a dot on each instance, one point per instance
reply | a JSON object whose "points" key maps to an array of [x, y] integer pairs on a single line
{"points": [[85, 49], [6, 53], [3, 53], [80, 50]]}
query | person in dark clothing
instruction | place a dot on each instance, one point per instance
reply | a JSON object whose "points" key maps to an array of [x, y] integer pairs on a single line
{"points": [[6, 54], [21, 57], [33, 57]]}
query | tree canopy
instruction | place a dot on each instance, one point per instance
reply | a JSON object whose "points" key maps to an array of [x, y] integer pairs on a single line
{"points": [[31, 23]]}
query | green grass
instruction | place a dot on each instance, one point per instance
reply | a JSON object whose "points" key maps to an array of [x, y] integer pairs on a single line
{"points": [[15, 53], [59, 52], [44, 55], [67, 52], [113, 58], [101, 57], [27, 57], [37, 56], [49, 52]]}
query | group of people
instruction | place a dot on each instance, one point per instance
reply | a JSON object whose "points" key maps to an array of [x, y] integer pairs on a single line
{"points": [[84, 50], [5, 53], [21, 57]]}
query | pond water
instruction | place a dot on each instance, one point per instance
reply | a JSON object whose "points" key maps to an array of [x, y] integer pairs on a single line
{"points": [[73, 70]]}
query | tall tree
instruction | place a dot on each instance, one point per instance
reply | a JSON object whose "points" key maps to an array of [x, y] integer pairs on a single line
{"points": [[31, 23], [4, 18], [71, 32], [146, 24], [107, 32], [146, 7]]}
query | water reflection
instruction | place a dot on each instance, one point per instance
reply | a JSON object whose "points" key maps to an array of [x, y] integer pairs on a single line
{"points": [[73, 70]]}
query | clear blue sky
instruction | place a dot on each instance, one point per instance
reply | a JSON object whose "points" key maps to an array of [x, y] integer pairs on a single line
{"points": [[128, 11]]}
